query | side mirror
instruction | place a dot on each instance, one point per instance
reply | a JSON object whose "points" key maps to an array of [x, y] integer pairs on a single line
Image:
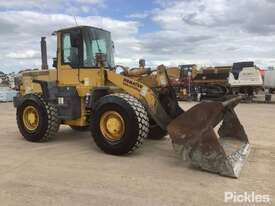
{"points": [[120, 70]]}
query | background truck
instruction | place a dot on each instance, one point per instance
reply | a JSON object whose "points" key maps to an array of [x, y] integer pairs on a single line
{"points": [[216, 82]]}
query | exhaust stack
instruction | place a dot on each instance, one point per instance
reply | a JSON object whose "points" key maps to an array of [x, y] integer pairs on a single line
{"points": [[44, 58]]}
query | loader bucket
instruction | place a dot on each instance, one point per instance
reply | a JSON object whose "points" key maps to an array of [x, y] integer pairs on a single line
{"points": [[195, 138]]}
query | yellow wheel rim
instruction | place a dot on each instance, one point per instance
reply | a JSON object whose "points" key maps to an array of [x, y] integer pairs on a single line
{"points": [[30, 118], [112, 126]]}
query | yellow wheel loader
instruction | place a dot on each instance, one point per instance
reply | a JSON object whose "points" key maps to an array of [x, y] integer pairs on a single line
{"points": [[87, 92]]}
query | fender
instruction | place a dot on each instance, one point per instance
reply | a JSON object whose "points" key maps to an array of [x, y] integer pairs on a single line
{"points": [[49, 89]]}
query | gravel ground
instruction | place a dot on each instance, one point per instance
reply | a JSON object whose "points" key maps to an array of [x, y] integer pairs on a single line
{"points": [[71, 170]]}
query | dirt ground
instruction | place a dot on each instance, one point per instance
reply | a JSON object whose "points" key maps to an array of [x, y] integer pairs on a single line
{"points": [[71, 170]]}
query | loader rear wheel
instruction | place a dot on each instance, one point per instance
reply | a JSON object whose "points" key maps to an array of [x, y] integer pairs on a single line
{"points": [[37, 119], [119, 124]]}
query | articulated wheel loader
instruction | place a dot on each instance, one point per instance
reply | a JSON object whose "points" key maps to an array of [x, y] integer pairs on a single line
{"points": [[87, 92]]}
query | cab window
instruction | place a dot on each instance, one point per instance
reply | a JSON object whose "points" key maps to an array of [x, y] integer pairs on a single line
{"points": [[71, 46], [66, 48]]}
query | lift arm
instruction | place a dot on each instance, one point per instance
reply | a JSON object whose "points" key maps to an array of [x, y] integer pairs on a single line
{"points": [[143, 93]]}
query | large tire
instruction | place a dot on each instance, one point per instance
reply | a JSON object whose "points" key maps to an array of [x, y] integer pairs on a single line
{"points": [[134, 117], [48, 123]]}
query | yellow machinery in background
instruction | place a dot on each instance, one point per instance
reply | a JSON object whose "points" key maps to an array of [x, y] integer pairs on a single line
{"points": [[121, 108]]}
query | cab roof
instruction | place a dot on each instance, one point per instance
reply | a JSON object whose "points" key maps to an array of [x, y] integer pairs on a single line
{"points": [[79, 27]]}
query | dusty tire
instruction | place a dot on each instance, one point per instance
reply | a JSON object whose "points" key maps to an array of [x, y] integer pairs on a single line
{"points": [[48, 123], [80, 129], [134, 117], [156, 133]]}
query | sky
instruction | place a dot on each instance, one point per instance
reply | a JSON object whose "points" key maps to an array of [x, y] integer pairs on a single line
{"points": [[169, 32]]}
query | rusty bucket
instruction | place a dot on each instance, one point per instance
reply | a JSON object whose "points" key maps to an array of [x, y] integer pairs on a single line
{"points": [[197, 139]]}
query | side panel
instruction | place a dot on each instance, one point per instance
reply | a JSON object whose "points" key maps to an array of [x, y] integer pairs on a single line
{"points": [[69, 104], [27, 86]]}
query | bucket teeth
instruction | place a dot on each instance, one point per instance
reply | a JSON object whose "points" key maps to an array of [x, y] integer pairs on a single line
{"points": [[195, 139]]}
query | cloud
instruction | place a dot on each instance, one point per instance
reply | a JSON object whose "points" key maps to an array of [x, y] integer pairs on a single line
{"points": [[21, 4], [25, 54], [90, 1], [21, 32], [138, 15], [205, 32], [252, 16], [226, 30], [72, 7]]}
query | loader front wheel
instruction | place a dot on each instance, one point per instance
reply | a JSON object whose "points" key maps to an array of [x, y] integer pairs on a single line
{"points": [[37, 119], [119, 124]]}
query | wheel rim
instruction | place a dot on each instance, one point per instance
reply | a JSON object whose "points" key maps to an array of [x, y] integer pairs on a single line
{"points": [[30, 118], [112, 125]]}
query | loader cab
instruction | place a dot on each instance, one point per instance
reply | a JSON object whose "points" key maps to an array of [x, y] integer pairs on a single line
{"points": [[78, 47]]}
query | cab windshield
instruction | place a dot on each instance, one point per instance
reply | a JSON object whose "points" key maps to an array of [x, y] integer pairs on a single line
{"points": [[97, 41]]}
